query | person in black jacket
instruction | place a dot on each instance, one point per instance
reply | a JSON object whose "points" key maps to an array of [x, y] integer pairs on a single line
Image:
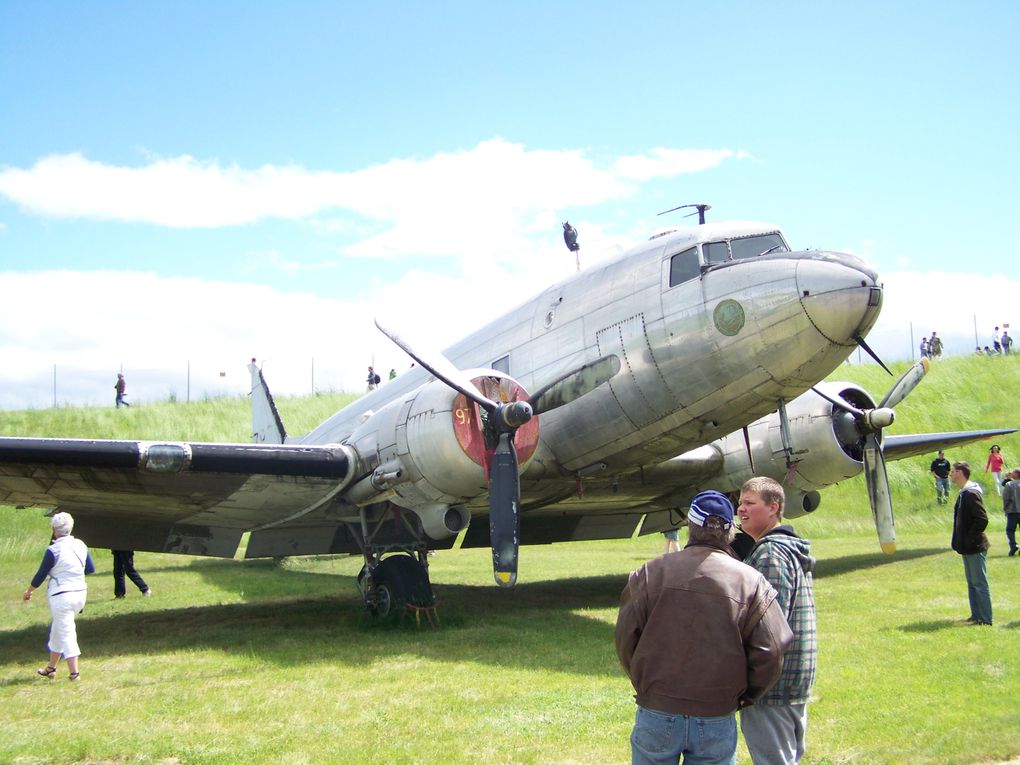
{"points": [[969, 540]]}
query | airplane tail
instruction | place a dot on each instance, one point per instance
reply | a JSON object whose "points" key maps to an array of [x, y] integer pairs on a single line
{"points": [[267, 427]]}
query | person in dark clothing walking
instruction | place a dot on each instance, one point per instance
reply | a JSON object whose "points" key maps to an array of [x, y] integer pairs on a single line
{"points": [[120, 386], [124, 563], [940, 469]]}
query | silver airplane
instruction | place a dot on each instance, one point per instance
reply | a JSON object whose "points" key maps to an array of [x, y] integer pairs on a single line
{"points": [[702, 342]]}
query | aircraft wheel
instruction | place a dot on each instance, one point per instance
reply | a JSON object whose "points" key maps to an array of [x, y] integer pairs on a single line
{"points": [[400, 580]]}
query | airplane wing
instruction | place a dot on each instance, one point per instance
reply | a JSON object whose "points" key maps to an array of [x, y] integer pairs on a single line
{"points": [[901, 447], [194, 498]]}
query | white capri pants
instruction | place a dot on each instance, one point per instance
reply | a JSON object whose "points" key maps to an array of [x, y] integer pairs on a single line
{"points": [[63, 633]]}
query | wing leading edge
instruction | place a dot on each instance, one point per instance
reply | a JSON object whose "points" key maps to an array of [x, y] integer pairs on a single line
{"points": [[194, 498]]}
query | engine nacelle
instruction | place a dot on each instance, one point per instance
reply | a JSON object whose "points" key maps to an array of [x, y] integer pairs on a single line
{"points": [[427, 451], [825, 442]]}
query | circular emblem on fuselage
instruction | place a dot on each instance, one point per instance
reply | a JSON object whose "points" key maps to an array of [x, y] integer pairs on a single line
{"points": [[729, 317]]}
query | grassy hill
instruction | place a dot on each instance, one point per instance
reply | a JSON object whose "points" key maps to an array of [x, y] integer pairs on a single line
{"points": [[259, 662]]}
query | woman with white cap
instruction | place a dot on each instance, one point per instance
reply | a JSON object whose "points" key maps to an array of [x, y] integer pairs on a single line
{"points": [[66, 562]]}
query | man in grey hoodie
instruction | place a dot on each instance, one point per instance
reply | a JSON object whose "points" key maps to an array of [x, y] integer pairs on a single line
{"points": [[775, 726]]}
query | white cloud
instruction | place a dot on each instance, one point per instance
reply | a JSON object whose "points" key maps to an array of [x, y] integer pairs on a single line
{"points": [[664, 163], [485, 191]]}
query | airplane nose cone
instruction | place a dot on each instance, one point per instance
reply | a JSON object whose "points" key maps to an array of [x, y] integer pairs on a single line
{"points": [[840, 294]]}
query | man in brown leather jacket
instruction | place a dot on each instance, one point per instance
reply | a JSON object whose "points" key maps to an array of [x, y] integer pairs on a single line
{"points": [[700, 635]]}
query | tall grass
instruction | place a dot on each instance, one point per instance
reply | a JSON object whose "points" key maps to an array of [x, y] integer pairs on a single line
{"points": [[263, 662]]}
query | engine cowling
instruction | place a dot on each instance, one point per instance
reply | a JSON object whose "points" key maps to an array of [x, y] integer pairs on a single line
{"points": [[826, 448], [428, 451]]}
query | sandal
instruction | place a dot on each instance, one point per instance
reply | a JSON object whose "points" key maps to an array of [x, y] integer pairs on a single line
{"points": [[74, 676], [48, 672]]}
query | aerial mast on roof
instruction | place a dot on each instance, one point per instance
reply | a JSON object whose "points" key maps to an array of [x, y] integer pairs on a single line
{"points": [[702, 207]]}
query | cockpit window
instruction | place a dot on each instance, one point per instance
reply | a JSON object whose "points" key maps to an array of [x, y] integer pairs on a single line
{"points": [[716, 252], [743, 248], [753, 246], [683, 266]]}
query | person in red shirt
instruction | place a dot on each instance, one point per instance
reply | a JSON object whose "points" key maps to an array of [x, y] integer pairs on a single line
{"points": [[994, 465]]}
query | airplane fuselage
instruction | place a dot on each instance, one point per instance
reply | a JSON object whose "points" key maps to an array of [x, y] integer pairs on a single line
{"points": [[709, 333]]}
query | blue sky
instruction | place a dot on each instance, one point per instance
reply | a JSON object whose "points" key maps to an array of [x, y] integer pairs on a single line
{"points": [[191, 184]]}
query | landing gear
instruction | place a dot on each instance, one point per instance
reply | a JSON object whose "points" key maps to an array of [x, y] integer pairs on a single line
{"points": [[399, 583]]}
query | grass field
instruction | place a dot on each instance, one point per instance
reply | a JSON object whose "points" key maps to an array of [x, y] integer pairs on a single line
{"points": [[258, 662]]}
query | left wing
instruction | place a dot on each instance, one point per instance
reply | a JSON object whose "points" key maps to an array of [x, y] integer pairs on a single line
{"points": [[194, 498]]}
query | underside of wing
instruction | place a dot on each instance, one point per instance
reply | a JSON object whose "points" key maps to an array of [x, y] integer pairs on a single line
{"points": [[901, 447], [193, 498]]}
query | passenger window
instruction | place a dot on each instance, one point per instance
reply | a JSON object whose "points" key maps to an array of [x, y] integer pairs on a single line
{"points": [[716, 252], [502, 364], [683, 266]]}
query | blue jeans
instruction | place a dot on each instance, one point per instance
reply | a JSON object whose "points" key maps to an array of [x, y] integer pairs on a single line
{"points": [[942, 489], [976, 571], [1012, 521], [660, 738]]}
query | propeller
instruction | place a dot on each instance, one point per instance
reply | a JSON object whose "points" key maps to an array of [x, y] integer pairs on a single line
{"points": [[500, 422], [861, 433]]}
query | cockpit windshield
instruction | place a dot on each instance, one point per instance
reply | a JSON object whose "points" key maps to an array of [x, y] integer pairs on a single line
{"points": [[743, 248]]}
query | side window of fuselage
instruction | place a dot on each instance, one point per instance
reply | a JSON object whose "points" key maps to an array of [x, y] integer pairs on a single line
{"points": [[683, 266], [502, 364]]}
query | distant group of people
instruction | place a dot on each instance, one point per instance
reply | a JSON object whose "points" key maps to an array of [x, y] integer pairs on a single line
{"points": [[931, 347], [752, 645], [66, 563], [1001, 344], [374, 379]]}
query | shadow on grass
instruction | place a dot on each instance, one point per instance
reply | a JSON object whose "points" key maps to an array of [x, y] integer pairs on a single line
{"points": [[532, 626], [837, 566], [293, 617]]}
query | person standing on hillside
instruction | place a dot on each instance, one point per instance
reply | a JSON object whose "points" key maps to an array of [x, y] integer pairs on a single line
{"points": [[775, 727], [940, 469], [994, 465], [969, 523], [1007, 342], [120, 386], [66, 562], [1011, 506], [700, 635], [935, 346]]}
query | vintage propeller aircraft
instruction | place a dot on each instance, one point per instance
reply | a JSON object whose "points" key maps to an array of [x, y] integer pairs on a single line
{"points": [[702, 342]]}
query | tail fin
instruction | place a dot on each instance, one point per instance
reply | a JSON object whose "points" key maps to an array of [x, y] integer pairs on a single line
{"points": [[267, 427]]}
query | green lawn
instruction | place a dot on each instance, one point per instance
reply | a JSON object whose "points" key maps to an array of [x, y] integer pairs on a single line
{"points": [[257, 662], [252, 662]]}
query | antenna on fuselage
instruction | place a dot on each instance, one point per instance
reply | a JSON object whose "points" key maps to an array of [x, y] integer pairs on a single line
{"points": [[702, 207], [570, 239]]}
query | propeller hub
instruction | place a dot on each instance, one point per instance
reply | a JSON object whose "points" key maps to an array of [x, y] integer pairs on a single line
{"points": [[879, 418], [515, 413]]}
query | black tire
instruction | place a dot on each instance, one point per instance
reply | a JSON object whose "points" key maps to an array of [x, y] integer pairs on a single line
{"points": [[400, 580]]}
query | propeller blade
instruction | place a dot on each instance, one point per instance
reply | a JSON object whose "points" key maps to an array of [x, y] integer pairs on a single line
{"points": [[840, 404], [867, 350], [442, 369], [902, 387], [878, 493], [575, 384], [504, 511]]}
